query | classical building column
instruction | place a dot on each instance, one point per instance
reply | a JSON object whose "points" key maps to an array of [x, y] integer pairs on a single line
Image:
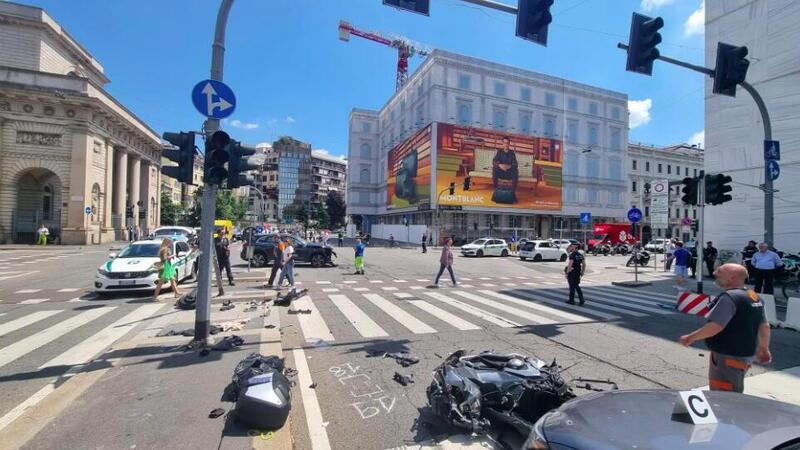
{"points": [[80, 192], [120, 185], [134, 177], [108, 198], [144, 195]]}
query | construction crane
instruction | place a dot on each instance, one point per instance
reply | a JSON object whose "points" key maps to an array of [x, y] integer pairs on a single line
{"points": [[405, 48]]}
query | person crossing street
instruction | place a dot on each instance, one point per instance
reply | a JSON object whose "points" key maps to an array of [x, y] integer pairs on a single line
{"points": [[277, 260], [710, 257], [424, 243], [574, 271], [359, 257], [287, 270], [446, 262], [341, 240], [222, 247]]}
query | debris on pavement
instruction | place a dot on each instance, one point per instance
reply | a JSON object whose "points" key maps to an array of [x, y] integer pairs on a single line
{"points": [[205, 351], [233, 325], [286, 299], [261, 391], [313, 385], [253, 306], [404, 380], [187, 301], [216, 412], [227, 307], [270, 326], [299, 311], [228, 343], [402, 358], [586, 383]]}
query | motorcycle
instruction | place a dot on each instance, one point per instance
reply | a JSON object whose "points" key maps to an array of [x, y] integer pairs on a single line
{"points": [[639, 257], [621, 249], [603, 249]]}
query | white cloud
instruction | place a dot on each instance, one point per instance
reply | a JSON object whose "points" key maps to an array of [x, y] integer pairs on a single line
{"points": [[289, 119], [639, 111], [698, 139], [651, 5], [236, 123], [696, 23]]}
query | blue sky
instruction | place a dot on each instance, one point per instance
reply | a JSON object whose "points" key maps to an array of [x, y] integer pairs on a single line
{"points": [[292, 75]]}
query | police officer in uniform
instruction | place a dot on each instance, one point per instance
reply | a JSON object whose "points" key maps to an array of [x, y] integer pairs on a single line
{"points": [[221, 245], [574, 271], [737, 330]]}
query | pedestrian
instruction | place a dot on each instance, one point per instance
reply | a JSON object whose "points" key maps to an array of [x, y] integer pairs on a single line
{"points": [[391, 241], [424, 240], [446, 262], [287, 270], [167, 272], [737, 330], [277, 260], [669, 251], [710, 257], [131, 236], [682, 257], [41, 235], [359, 257], [747, 255], [325, 239], [765, 262], [222, 248], [430, 239], [341, 239], [574, 271], [367, 238]]}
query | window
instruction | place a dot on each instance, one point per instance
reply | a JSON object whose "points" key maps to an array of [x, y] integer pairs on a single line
{"points": [[659, 168], [499, 118], [525, 94], [572, 104], [686, 212], [419, 121], [464, 112], [182, 246], [695, 172], [686, 173], [366, 150], [366, 127], [616, 139], [571, 164], [47, 202], [647, 166], [363, 198], [525, 122], [96, 203], [593, 108], [677, 170], [594, 138], [364, 176], [647, 211], [544, 245], [633, 186], [615, 169], [694, 213], [152, 209], [549, 125], [615, 198], [633, 164], [571, 195], [615, 113], [572, 131], [591, 196], [499, 89], [550, 99], [464, 82], [593, 167], [669, 169], [419, 90]]}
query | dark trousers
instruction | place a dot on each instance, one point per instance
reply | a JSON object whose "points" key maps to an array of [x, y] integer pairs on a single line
{"points": [[341, 242], [441, 271], [500, 174], [224, 262], [764, 279], [424, 247], [710, 267], [574, 281], [274, 272]]}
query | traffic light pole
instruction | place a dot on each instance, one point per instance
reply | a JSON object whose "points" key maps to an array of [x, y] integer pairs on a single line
{"points": [[202, 321], [769, 216], [701, 202]]}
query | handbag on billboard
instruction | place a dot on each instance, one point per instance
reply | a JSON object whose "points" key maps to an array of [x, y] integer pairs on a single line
{"points": [[504, 195]]}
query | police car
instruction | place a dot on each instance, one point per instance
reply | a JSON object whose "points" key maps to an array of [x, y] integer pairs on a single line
{"points": [[132, 269], [175, 233]]}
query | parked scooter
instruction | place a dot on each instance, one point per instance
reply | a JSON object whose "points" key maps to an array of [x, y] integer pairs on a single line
{"points": [[639, 257], [621, 249], [601, 249]]}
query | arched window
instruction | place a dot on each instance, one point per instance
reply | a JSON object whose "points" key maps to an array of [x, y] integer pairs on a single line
{"points": [[47, 202], [366, 150], [364, 176], [152, 211], [96, 203]]}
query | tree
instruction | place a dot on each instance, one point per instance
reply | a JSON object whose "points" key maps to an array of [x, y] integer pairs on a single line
{"points": [[321, 216], [228, 207], [170, 212], [337, 210]]}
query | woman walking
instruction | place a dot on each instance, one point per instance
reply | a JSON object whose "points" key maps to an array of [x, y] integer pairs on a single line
{"points": [[168, 273], [288, 264], [446, 262]]}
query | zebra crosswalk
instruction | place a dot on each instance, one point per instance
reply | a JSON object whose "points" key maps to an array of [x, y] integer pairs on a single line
{"points": [[373, 313]]}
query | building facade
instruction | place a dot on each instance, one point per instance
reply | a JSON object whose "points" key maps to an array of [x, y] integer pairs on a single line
{"points": [[574, 136], [294, 177], [181, 193], [71, 156], [648, 163], [734, 131], [328, 174]]}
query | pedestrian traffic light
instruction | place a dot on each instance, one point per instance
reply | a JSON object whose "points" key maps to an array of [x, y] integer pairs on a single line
{"points": [[452, 188], [417, 6], [695, 225], [467, 183], [239, 164], [717, 189], [217, 154], [183, 155], [689, 190], [731, 69], [642, 42], [533, 18]]}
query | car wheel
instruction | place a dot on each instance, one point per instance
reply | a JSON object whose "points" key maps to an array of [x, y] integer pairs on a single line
{"points": [[537, 257], [259, 260], [479, 253], [563, 257], [317, 260], [522, 259], [504, 253]]}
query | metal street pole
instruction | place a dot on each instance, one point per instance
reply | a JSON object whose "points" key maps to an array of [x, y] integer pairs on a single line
{"points": [[202, 321], [698, 245]]}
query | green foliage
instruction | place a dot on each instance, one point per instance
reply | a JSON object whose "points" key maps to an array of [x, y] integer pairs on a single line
{"points": [[228, 207], [320, 215], [337, 210], [170, 211]]}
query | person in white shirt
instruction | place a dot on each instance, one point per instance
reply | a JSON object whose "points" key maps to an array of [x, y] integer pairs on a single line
{"points": [[669, 251], [288, 263], [42, 234]]}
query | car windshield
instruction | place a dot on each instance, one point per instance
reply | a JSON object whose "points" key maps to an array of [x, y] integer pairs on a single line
{"points": [[171, 232], [140, 251], [528, 246], [478, 242]]}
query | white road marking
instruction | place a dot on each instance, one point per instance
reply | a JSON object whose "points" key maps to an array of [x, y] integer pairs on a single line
{"points": [[508, 309], [86, 350], [608, 299], [389, 288], [521, 278], [30, 402], [488, 285], [27, 291], [531, 284], [637, 291], [443, 315], [407, 320], [485, 278], [583, 309], [504, 278], [477, 312], [24, 321], [313, 325], [330, 290], [33, 342], [466, 286], [630, 296], [33, 301], [422, 279], [361, 289], [466, 279], [376, 281], [316, 426], [365, 326], [399, 281], [69, 290], [545, 309], [349, 281], [76, 299], [403, 295], [416, 288], [561, 297], [323, 282]]}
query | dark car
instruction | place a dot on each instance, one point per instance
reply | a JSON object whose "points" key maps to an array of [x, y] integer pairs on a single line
{"points": [[643, 419], [305, 252]]}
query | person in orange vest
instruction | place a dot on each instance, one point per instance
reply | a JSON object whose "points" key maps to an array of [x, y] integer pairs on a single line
{"points": [[277, 260]]}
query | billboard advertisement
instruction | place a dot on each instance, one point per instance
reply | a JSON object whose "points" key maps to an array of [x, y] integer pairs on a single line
{"points": [[505, 170], [409, 172]]}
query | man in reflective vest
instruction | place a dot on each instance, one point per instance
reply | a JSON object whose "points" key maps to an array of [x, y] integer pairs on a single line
{"points": [[737, 330]]}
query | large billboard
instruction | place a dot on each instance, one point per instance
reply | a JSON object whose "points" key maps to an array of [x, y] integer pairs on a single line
{"points": [[409, 172], [505, 170]]}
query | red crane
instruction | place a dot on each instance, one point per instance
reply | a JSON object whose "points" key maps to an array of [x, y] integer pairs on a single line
{"points": [[405, 48]]}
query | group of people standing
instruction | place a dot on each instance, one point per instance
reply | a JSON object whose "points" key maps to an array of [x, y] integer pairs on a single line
{"points": [[283, 261]]}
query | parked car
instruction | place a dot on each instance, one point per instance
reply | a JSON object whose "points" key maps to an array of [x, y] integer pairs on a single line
{"points": [[485, 247], [643, 419], [305, 252], [132, 269], [656, 245], [541, 250]]}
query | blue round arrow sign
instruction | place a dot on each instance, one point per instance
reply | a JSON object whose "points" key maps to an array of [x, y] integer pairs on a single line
{"points": [[773, 169], [213, 99], [634, 215]]}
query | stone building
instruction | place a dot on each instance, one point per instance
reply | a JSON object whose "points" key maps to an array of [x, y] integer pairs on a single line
{"points": [[71, 156]]}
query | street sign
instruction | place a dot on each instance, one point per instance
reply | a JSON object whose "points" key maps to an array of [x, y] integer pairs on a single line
{"points": [[586, 217], [213, 99], [773, 169], [659, 203], [260, 230], [686, 221], [634, 215], [407, 219], [88, 210], [772, 150]]}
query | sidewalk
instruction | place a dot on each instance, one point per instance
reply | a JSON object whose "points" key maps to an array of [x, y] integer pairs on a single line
{"points": [[59, 246]]}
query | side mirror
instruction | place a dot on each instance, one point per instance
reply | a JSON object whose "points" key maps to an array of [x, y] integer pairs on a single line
{"points": [[112, 255]]}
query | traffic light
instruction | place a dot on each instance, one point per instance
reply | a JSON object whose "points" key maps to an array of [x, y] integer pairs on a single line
{"points": [[240, 164], [184, 156], [533, 18], [642, 42], [689, 190], [717, 189], [731, 69], [695, 225], [217, 154], [467, 183], [452, 188], [417, 6]]}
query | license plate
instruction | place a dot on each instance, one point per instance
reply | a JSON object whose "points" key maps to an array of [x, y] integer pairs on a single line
{"points": [[127, 282]]}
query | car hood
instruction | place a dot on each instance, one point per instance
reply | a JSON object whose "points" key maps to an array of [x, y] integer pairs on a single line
{"points": [[471, 247], [128, 264], [643, 419]]}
